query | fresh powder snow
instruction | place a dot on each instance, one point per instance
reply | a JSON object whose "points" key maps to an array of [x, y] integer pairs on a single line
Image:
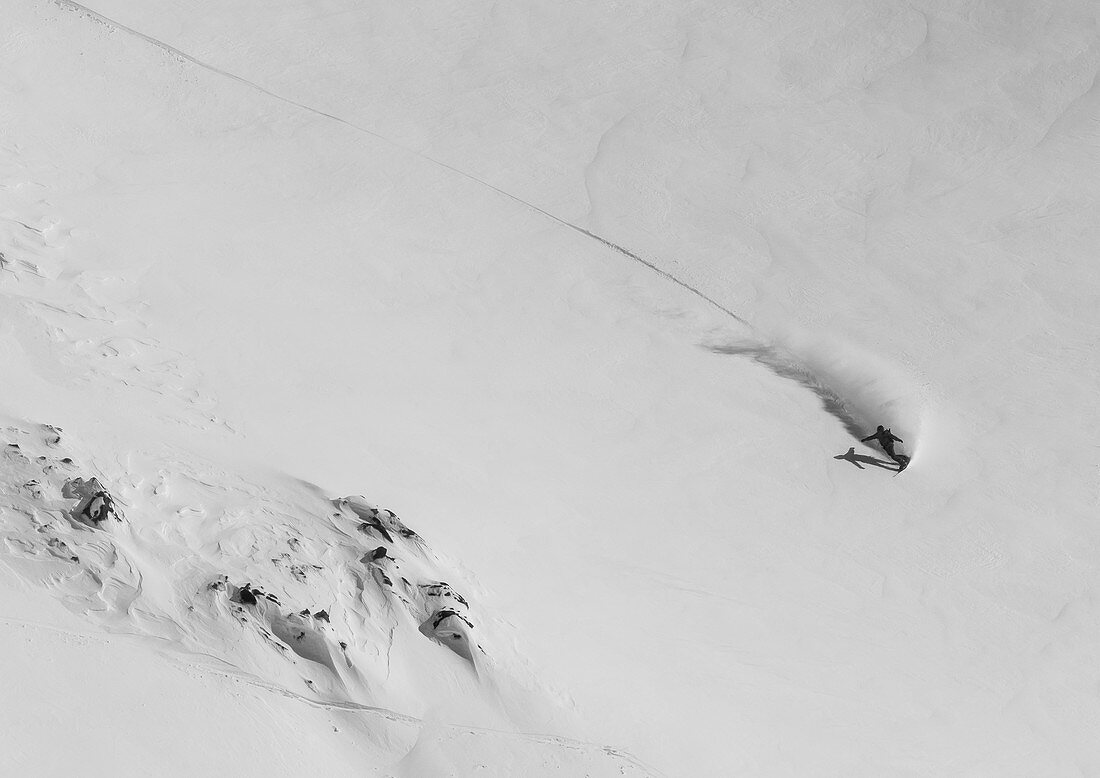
{"points": [[451, 389]]}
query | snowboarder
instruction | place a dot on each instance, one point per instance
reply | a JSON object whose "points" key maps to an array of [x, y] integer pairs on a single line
{"points": [[886, 439]]}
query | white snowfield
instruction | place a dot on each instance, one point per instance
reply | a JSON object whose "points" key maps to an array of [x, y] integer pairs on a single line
{"points": [[599, 298]]}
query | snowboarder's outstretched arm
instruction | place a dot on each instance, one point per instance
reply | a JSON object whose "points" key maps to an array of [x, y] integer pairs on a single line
{"points": [[872, 436], [895, 437]]}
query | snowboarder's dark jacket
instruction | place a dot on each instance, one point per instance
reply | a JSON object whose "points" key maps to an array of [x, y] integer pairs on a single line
{"points": [[885, 438]]}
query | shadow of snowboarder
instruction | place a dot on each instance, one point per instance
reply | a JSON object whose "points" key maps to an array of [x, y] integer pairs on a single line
{"points": [[861, 459]]}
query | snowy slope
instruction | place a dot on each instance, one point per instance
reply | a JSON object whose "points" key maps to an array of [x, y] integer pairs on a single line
{"points": [[212, 570], [355, 244]]}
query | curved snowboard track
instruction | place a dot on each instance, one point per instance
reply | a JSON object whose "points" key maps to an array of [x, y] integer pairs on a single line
{"points": [[850, 410], [858, 389]]}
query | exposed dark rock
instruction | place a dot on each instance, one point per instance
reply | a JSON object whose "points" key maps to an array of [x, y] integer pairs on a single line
{"points": [[322, 616], [245, 595], [445, 613], [376, 525], [99, 508], [249, 595], [443, 589], [95, 503]]}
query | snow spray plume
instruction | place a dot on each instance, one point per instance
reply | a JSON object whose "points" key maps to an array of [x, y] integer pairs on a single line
{"points": [[858, 388]]}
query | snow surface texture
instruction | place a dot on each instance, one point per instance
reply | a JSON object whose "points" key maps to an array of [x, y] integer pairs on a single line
{"points": [[217, 570], [602, 296]]}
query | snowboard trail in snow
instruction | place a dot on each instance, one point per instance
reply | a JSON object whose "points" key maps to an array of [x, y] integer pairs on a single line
{"points": [[858, 389], [77, 7], [847, 391]]}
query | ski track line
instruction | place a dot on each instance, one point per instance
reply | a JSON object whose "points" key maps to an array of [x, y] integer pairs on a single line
{"points": [[405, 718], [178, 657], [74, 6]]}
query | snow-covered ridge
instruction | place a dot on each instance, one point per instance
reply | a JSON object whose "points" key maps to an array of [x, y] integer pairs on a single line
{"points": [[181, 553], [337, 602]]}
